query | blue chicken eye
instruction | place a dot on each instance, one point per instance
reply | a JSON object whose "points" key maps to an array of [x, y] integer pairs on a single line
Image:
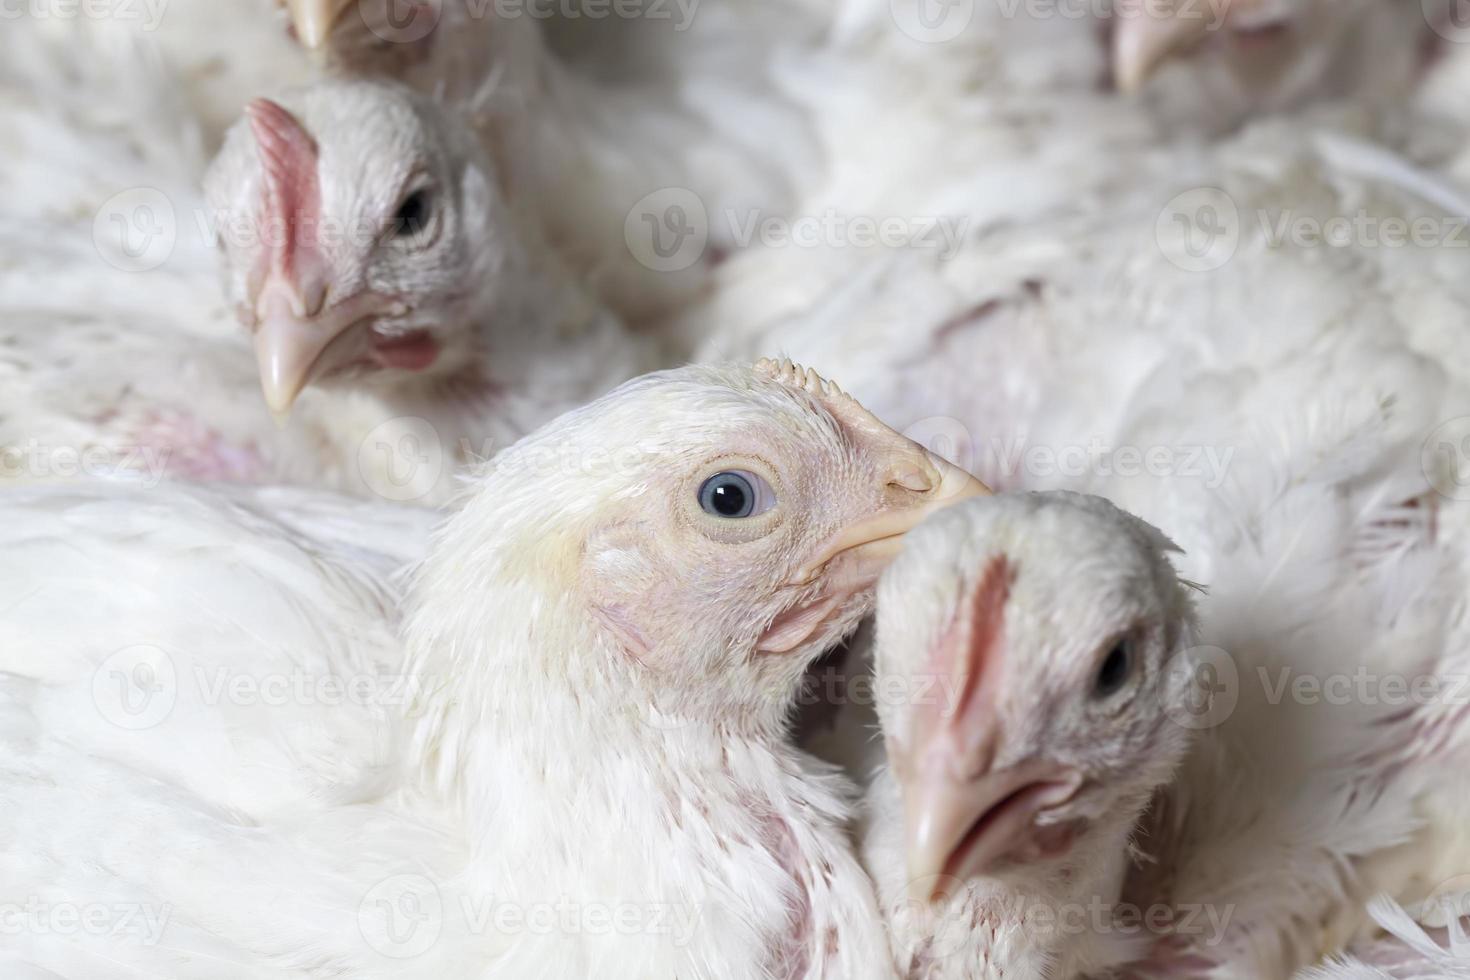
{"points": [[735, 494]]}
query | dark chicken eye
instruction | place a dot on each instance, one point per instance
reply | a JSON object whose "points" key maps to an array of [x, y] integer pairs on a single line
{"points": [[412, 216], [735, 494], [1113, 673]]}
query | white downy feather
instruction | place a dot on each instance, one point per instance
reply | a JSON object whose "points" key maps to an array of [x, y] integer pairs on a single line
{"points": [[1057, 354]]}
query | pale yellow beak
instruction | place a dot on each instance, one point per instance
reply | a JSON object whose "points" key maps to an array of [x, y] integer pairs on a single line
{"points": [[962, 826], [297, 340], [878, 539], [287, 349], [854, 558], [1145, 36], [314, 19]]}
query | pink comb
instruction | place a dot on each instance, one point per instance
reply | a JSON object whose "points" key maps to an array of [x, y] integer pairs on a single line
{"points": [[292, 190], [968, 653]]}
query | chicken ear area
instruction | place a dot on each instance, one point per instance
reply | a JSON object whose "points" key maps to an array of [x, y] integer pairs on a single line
{"points": [[619, 577], [795, 626]]}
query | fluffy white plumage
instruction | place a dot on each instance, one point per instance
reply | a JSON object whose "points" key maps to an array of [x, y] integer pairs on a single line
{"points": [[598, 121], [1409, 951], [149, 364], [1290, 810], [1285, 387], [608, 743], [219, 52]]}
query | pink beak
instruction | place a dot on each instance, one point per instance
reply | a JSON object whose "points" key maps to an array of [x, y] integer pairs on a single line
{"points": [[965, 827], [314, 19], [297, 338], [964, 817], [1145, 37]]}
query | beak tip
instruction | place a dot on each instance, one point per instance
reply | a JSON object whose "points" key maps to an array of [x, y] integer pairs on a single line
{"points": [[315, 19], [1128, 82], [1132, 72], [928, 887], [280, 404]]}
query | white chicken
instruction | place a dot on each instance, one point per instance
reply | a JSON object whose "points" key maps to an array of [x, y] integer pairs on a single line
{"points": [[630, 133], [1028, 718], [370, 249], [1256, 351], [604, 644], [1238, 57], [1019, 846], [1018, 125]]}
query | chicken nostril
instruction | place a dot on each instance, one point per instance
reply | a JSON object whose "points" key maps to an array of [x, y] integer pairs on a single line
{"points": [[913, 476]]}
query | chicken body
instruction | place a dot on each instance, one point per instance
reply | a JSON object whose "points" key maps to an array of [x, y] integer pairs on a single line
{"points": [[1251, 854], [603, 643], [1314, 374]]}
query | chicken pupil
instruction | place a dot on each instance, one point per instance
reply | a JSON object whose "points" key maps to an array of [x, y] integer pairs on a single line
{"points": [[727, 495], [412, 216], [1114, 671]]}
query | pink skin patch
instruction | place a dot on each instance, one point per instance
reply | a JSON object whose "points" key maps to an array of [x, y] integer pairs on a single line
{"points": [[1248, 36], [792, 955], [193, 451], [414, 351]]}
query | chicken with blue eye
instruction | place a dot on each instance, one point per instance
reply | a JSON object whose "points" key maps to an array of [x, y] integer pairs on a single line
{"points": [[607, 677], [736, 494]]}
